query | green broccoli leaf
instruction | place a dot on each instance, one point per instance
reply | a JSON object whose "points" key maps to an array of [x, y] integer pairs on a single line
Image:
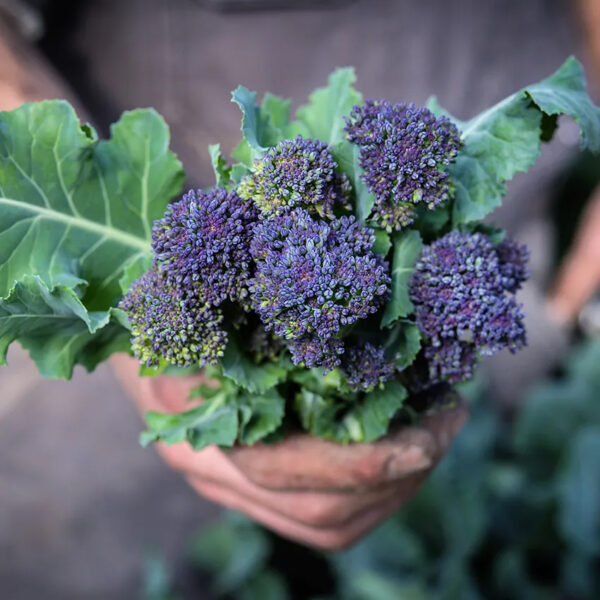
{"points": [[277, 111], [363, 420], [244, 372], [219, 164], [75, 223], [257, 127], [407, 247], [74, 209], [324, 114], [506, 139], [403, 343], [371, 418], [53, 325], [346, 155], [260, 415], [215, 421]]}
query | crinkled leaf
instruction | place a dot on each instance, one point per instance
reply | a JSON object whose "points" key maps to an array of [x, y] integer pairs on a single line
{"points": [[324, 114], [215, 421], [54, 326], [579, 491], [363, 420], [244, 372], [219, 164], [277, 110], [260, 415], [407, 247], [506, 139], [257, 129], [403, 343]]}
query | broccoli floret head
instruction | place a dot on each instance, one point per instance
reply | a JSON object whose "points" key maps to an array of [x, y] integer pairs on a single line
{"points": [[463, 292], [313, 278], [366, 367], [403, 151], [296, 173], [204, 240], [170, 322]]}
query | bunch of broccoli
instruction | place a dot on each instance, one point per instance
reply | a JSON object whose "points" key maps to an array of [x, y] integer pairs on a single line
{"points": [[281, 258]]}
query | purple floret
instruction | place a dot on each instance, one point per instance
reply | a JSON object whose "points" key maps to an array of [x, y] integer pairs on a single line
{"points": [[463, 292], [403, 152], [204, 240], [171, 323], [366, 367], [313, 278], [299, 173]]}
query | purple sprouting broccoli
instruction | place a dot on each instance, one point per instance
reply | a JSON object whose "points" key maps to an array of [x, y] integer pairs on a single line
{"points": [[403, 152], [463, 292], [366, 367], [170, 322], [299, 173], [204, 240], [312, 279]]}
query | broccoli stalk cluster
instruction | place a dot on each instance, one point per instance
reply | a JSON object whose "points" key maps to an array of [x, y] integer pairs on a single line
{"points": [[282, 256], [463, 290], [403, 152]]}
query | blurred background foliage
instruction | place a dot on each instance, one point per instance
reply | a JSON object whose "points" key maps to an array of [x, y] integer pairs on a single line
{"points": [[512, 512]]}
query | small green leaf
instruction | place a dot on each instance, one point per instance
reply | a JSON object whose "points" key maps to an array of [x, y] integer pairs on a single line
{"points": [[219, 165], [53, 325], [371, 418], [407, 247], [403, 343], [257, 129], [320, 415], [324, 114], [244, 372], [277, 110], [215, 421], [260, 415], [346, 155], [133, 269], [383, 243]]}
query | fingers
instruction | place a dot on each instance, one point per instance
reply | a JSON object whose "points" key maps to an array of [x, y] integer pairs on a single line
{"points": [[330, 466], [314, 509], [336, 537]]}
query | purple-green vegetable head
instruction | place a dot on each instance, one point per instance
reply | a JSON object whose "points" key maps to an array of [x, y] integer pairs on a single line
{"points": [[204, 240], [299, 173], [463, 292], [366, 367], [312, 279], [169, 322], [403, 152]]}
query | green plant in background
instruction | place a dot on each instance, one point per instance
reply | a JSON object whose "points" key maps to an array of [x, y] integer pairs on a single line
{"points": [[513, 512]]}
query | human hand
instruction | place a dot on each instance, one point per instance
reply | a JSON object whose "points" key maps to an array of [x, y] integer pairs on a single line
{"points": [[313, 491], [579, 275]]}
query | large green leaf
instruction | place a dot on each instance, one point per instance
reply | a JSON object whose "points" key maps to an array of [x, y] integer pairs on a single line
{"points": [[324, 114], [506, 138], [73, 209], [407, 247], [75, 224]]}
